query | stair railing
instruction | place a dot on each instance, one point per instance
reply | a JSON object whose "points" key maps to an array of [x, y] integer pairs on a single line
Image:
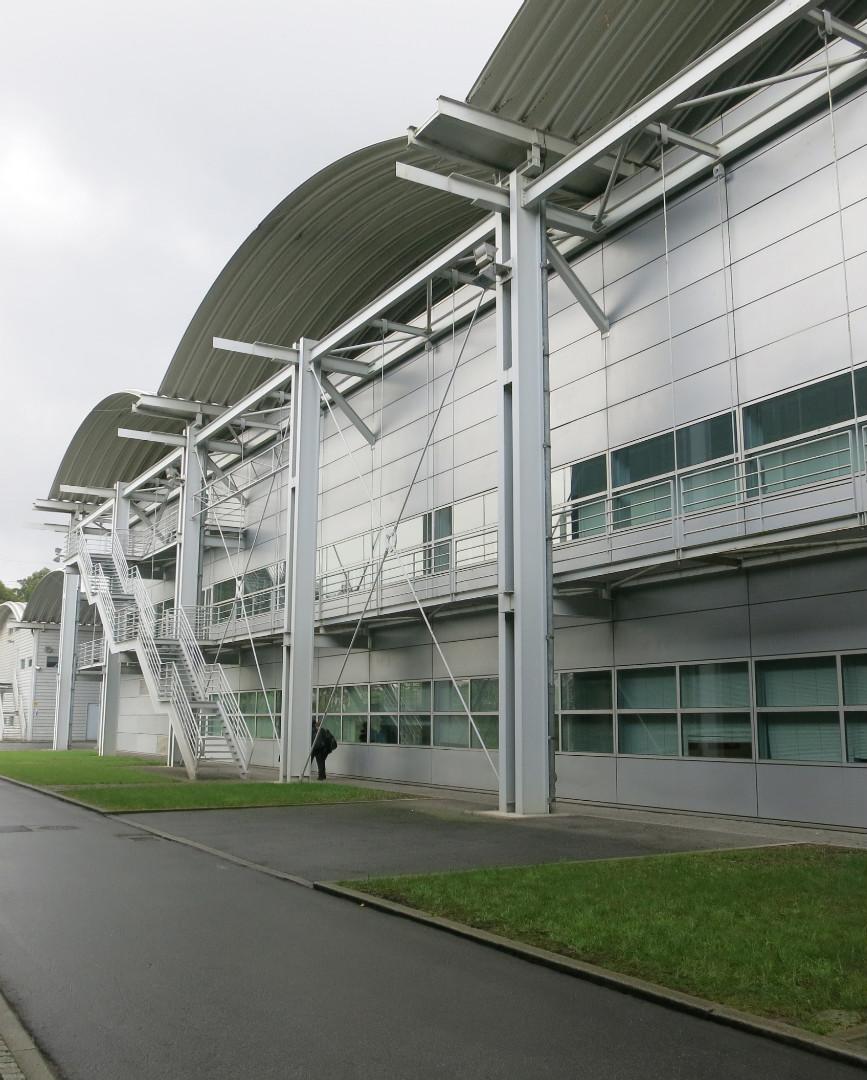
{"points": [[184, 711], [234, 723]]}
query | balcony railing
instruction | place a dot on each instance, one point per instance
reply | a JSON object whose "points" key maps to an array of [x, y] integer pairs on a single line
{"points": [[91, 653]]}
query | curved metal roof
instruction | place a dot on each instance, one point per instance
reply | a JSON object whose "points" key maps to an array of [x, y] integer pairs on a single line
{"points": [[46, 602], [97, 457], [10, 609]]}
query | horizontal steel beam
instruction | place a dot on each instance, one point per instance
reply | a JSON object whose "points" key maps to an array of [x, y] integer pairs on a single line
{"points": [[155, 470], [839, 28], [487, 196], [510, 130], [342, 365], [168, 439], [57, 506], [768, 22], [578, 289], [258, 348], [351, 415], [570, 221], [176, 406], [97, 492], [277, 381], [390, 326], [678, 138]]}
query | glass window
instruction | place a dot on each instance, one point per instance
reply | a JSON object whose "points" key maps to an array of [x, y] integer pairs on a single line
{"points": [[451, 731], [51, 661], [585, 690], [354, 729], [705, 441], [855, 680], [326, 693], [588, 477], [383, 697], [652, 457], [646, 688], [489, 729], [792, 467], [799, 736], [414, 729], [856, 737], [589, 733], [861, 390], [383, 729], [355, 698], [484, 695], [641, 506], [588, 519], [647, 733], [446, 698], [715, 686], [799, 411], [800, 683], [718, 735], [415, 696], [709, 489]]}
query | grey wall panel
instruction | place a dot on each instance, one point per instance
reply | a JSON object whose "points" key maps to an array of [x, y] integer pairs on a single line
{"points": [[410, 764], [834, 796], [404, 379], [696, 594], [636, 290], [700, 257], [466, 658], [390, 505], [799, 255], [475, 442], [856, 280], [473, 375], [809, 577], [645, 415], [704, 393], [591, 779], [442, 488], [853, 181], [577, 647], [396, 443], [702, 347], [811, 624], [588, 268], [639, 331], [698, 303], [690, 636], [576, 360], [358, 669], [570, 324], [579, 439], [794, 207], [641, 244], [811, 353], [691, 214], [442, 454], [858, 324], [463, 768], [786, 161], [412, 662], [480, 405], [578, 398], [855, 228], [480, 475], [714, 787], [265, 753], [795, 308], [637, 375], [849, 122]]}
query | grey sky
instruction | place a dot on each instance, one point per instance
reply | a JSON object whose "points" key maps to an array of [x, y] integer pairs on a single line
{"points": [[140, 145]]}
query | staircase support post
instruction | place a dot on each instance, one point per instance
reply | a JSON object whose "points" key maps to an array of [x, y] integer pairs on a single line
{"points": [[303, 521], [66, 657], [109, 697], [191, 526]]}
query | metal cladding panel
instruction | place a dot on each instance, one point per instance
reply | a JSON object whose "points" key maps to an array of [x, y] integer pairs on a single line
{"points": [[795, 308], [571, 323], [637, 374], [858, 323], [574, 361], [635, 247], [584, 646], [358, 669], [409, 662], [687, 636], [833, 796], [475, 442], [692, 213], [704, 393], [856, 280], [463, 768], [641, 416], [578, 399], [703, 347], [480, 475], [811, 577], [639, 331], [855, 228], [698, 303], [794, 207], [588, 778], [467, 658], [636, 290], [699, 257], [852, 171], [714, 787], [811, 624], [697, 595], [810, 354], [579, 439], [812, 249]]}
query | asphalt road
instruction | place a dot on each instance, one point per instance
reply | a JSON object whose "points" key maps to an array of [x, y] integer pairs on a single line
{"points": [[135, 958]]}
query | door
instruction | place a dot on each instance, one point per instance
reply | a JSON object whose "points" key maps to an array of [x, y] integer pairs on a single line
{"points": [[92, 731]]}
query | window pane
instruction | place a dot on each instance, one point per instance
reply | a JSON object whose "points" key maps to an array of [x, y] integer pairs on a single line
{"points": [[333, 725], [256, 580], [709, 489], [383, 697], [247, 702], [354, 729], [264, 728], [484, 695], [588, 477], [646, 688], [856, 737], [799, 466], [585, 690], [642, 506], [721, 686], [442, 522], [855, 680], [414, 729], [727, 735], [355, 698], [446, 698], [861, 390], [588, 519], [802, 736], [416, 697], [383, 729], [587, 734], [799, 411], [705, 441], [800, 683], [451, 731], [325, 693], [652, 457], [650, 733], [489, 729]]}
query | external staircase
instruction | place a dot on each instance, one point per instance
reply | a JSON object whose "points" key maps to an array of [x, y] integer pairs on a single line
{"points": [[203, 710]]}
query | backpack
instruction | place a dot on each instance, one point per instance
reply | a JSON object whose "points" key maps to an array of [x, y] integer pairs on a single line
{"points": [[329, 741]]}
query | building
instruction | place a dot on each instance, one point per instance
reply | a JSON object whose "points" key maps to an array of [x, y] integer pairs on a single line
{"points": [[29, 655], [551, 478]]}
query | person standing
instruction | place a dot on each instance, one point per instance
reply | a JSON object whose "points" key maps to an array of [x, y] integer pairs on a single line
{"points": [[322, 745]]}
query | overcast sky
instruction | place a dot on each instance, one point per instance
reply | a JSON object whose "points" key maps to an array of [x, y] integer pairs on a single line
{"points": [[140, 144]]}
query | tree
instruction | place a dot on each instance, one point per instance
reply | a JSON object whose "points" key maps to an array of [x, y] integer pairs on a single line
{"points": [[26, 585], [7, 594]]}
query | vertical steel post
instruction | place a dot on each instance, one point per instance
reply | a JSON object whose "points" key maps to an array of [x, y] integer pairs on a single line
{"points": [[532, 599], [109, 696], [303, 521], [66, 657], [191, 526]]}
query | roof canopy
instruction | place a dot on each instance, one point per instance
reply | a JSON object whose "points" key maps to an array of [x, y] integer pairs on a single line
{"points": [[44, 606]]}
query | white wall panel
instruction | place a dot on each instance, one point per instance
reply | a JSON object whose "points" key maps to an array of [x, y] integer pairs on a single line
{"points": [[702, 347], [819, 350], [703, 394], [797, 256], [792, 309], [578, 398]]}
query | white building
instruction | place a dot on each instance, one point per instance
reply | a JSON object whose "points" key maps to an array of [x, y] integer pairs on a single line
{"points": [[551, 480]]}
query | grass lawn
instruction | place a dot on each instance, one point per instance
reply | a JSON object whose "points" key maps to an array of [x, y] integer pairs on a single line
{"points": [[221, 794], [53, 768], [126, 783], [777, 931]]}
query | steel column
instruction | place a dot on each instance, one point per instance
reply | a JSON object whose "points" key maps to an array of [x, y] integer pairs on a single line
{"points": [[525, 512], [296, 715], [109, 697], [191, 524], [66, 657]]}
